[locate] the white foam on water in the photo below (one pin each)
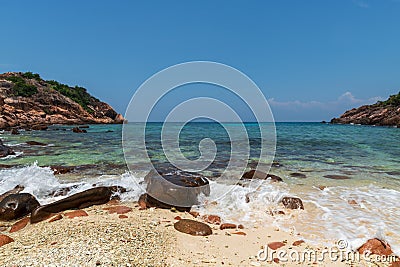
(17, 154)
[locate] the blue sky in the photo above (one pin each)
(312, 59)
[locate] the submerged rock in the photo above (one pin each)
(298, 175)
(376, 246)
(254, 174)
(192, 227)
(292, 203)
(16, 206)
(337, 177)
(34, 143)
(78, 130)
(5, 150)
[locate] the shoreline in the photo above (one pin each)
(147, 238)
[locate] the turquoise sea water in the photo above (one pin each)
(369, 157)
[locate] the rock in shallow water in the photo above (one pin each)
(5, 150)
(192, 227)
(298, 175)
(253, 174)
(292, 203)
(337, 177)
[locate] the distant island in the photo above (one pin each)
(382, 113)
(27, 101)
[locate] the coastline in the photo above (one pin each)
(147, 238)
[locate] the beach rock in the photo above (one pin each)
(61, 169)
(34, 143)
(39, 127)
(15, 190)
(174, 188)
(227, 226)
(4, 240)
(321, 187)
(76, 213)
(298, 242)
(240, 226)
(5, 150)
(292, 203)
(177, 218)
(195, 214)
(16, 206)
(56, 218)
(212, 219)
(14, 131)
(298, 175)
(118, 209)
(192, 227)
(376, 246)
(275, 245)
(123, 216)
(396, 263)
(20, 225)
(239, 233)
(336, 177)
(78, 130)
(85, 199)
(352, 202)
(253, 174)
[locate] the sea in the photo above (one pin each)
(364, 203)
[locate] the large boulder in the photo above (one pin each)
(174, 189)
(16, 206)
(376, 246)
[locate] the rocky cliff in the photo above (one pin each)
(28, 101)
(383, 113)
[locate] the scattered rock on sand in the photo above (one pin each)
(123, 216)
(76, 213)
(227, 226)
(4, 240)
(20, 225)
(376, 246)
(337, 177)
(194, 214)
(118, 209)
(213, 219)
(292, 203)
(16, 206)
(56, 218)
(352, 202)
(239, 233)
(253, 174)
(275, 245)
(298, 242)
(192, 227)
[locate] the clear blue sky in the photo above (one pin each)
(312, 59)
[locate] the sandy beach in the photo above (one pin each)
(145, 238)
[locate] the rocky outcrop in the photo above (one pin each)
(27, 101)
(386, 113)
(5, 150)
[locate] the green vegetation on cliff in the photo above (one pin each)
(394, 100)
(21, 88)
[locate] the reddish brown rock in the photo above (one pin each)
(292, 203)
(20, 225)
(395, 264)
(56, 218)
(178, 218)
(376, 246)
(118, 209)
(239, 233)
(123, 216)
(298, 242)
(253, 174)
(192, 227)
(227, 226)
(194, 214)
(275, 245)
(276, 260)
(352, 202)
(321, 187)
(142, 202)
(76, 213)
(113, 202)
(213, 219)
(4, 240)
(240, 226)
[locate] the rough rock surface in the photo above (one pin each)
(48, 106)
(193, 227)
(386, 113)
